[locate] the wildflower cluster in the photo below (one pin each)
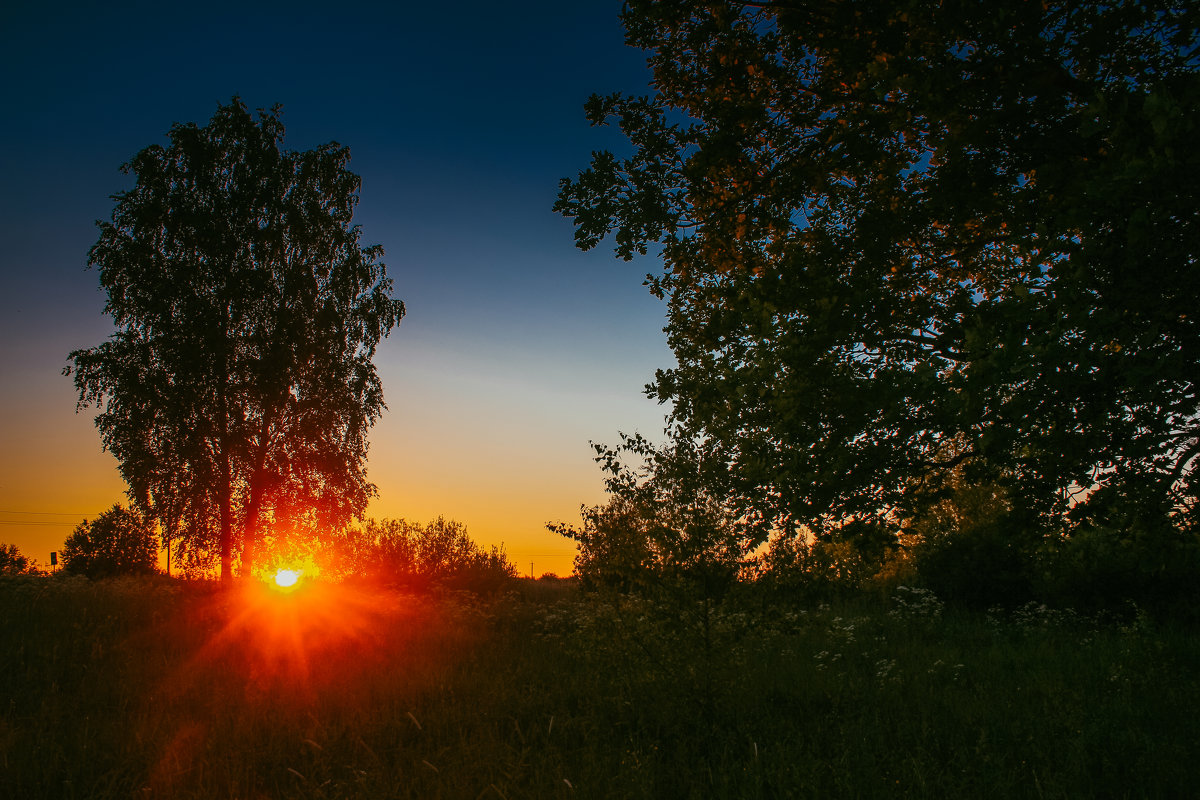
(940, 669)
(914, 603)
(1033, 615)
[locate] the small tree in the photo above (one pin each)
(666, 553)
(118, 542)
(668, 521)
(13, 562)
(615, 544)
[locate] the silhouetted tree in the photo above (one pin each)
(666, 522)
(892, 227)
(665, 553)
(118, 542)
(12, 561)
(239, 386)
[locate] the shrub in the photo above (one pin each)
(645, 542)
(855, 556)
(1098, 569)
(980, 567)
(418, 557)
(13, 562)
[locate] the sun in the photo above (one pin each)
(286, 578)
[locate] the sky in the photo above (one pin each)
(517, 348)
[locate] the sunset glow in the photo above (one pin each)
(504, 363)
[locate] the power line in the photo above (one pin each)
(43, 523)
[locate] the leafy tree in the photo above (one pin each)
(238, 389)
(665, 553)
(903, 238)
(118, 542)
(13, 562)
(616, 544)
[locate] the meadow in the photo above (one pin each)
(157, 688)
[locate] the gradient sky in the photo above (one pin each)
(461, 118)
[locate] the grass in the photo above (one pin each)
(153, 688)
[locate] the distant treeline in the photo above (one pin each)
(393, 552)
(654, 537)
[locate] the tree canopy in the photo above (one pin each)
(907, 241)
(119, 541)
(239, 388)
(665, 521)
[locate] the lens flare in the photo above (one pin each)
(286, 578)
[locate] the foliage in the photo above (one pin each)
(407, 554)
(119, 541)
(1096, 569)
(972, 547)
(615, 544)
(238, 390)
(848, 559)
(981, 567)
(907, 237)
(14, 562)
(665, 522)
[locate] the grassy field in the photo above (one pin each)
(154, 688)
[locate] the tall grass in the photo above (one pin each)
(153, 688)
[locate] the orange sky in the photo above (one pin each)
(466, 437)
(517, 348)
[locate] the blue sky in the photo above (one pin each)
(461, 119)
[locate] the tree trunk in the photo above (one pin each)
(226, 519)
(253, 517)
(250, 529)
(226, 468)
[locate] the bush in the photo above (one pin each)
(1098, 569)
(858, 555)
(118, 542)
(980, 567)
(419, 557)
(669, 522)
(644, 542)
(12, 562)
